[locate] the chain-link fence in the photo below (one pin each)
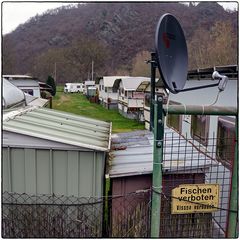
(25, 216)
(129, 215)
(48, 216)
(186, 166)
(200, 176)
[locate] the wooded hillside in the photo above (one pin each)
(117, 37)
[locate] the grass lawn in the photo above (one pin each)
(78, 104)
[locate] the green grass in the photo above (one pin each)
(79, 104)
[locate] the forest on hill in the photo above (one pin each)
(117, 37)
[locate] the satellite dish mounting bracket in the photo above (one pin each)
(196, 88)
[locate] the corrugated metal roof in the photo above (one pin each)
(132, 154)
(59, 126)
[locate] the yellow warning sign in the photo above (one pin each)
(195, 198)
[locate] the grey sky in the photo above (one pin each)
(16, 13)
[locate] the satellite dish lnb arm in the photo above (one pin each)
(222, 82)
(199, 87)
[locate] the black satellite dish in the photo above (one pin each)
(171, 57)
(171, 53)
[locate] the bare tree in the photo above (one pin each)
(218, 46)
(139, 66)
(73, 63)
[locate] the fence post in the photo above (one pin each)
(153, 79)
(157, 167)
(233, 215)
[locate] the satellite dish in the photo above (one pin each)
(172, 57)
(171, 53)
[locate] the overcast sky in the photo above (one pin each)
(15, 13)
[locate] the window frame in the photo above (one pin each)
(180, 118)
(202, 138)
(28, 91)
(229, 123)
(147, 99)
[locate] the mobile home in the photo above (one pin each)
(145, 87)
(215, 135)
(88, 84)
(73, 87)
(26, 83)
(202, 128)
(130, 101)
(13, 97)
(108, 95)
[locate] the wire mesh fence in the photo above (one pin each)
(26, 216)
(189, 168)
(195, 174)
(48, 216)
(130, 215)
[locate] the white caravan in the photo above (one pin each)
(73, 87)
(27, 84)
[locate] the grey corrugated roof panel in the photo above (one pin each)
(132, 158)
(61, 127)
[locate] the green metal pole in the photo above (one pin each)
(157, 167)
(200, 110)
(153, 79)
(233, 214)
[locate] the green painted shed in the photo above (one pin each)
(46, 151)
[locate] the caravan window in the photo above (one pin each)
(147, 99)
(114, 90)
(200, 128)
(226, 140)
(29, 91)
(174, 120)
